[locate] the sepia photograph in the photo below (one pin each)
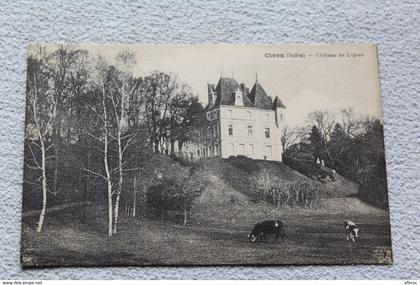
(203, 155)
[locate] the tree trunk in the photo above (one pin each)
(109, 209)
(109, 184)
(84, 199)
(172, 145)
(56, 136)
(87, 178)
(156, 146)
(108, 174)
(134, 196)
(55, 169)
(185, 217)
(120, 180)
(151, 145)
(44, 188)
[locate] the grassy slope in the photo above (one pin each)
(216, 234)
(224, 203)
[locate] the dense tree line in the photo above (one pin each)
(89, 122)
(352, 146)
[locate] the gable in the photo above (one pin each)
(259, 98)
(225, 89)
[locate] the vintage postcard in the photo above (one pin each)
(204, 155)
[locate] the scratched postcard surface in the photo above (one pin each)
(203, 155)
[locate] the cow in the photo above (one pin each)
(262, 229)
(352, 230)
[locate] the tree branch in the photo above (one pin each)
(95, 173)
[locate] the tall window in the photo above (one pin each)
(267, 117)
(249, 115)
(249, 131)
(231, 149)
(215, 131)
(230, 130)
(251, 149)
(269, 151)
(267, 132)
(241, 148)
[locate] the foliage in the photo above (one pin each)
(296, 193)
(352, 147)
(244, 163)
(280, 192)
(176, 193)
(309, 169)
(94, 121)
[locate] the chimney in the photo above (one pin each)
(211, 94)
(245, 90)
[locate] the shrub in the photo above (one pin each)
(182, 160)
(309, 169)
(176, 194)
(285, 193)
(244, 163)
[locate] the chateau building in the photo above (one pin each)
(239, 122)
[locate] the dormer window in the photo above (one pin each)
(238, 98)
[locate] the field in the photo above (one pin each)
(217, 229)
(309, 240)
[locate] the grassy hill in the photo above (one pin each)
(230, 197)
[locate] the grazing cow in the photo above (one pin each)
(262, 229)
(352, 231)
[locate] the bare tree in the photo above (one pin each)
(105, 129)
(288, 137)
(158, 90)
(325, 122)
(41, 116)
(351, 125)
(125, 86)
(61, 64)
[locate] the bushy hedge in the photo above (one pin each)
(176, 194)
(311, 170)
(244, 163)
(282, 193)
(297, 193)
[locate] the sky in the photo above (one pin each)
(305, 77)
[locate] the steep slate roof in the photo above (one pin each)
(225, 92)
(226, 87)
(278, 103)
(259, 98)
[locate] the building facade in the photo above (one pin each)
(239, 121)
